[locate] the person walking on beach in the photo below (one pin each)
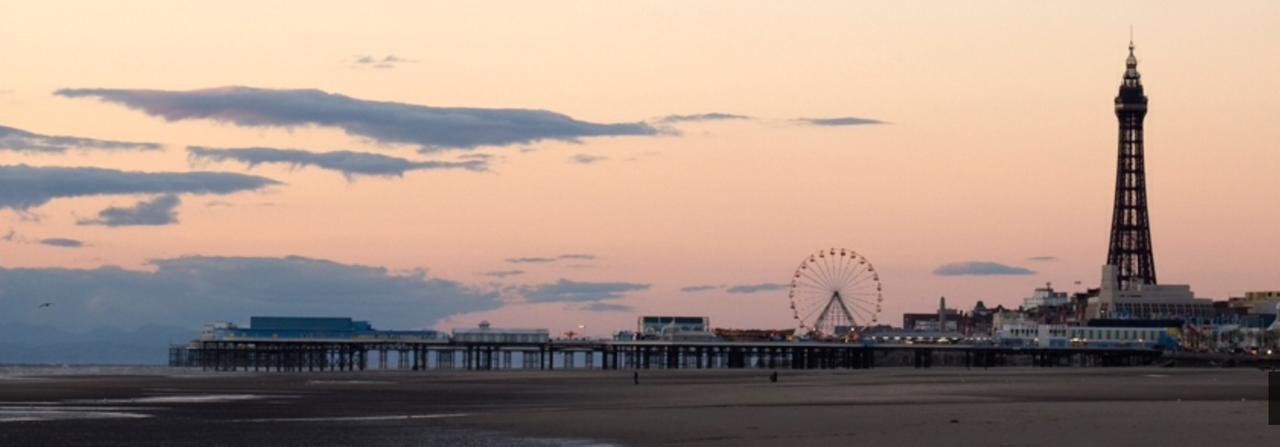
(635, 376)
(773, 377)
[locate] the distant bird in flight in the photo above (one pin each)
(44, 305)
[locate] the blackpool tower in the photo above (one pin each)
(1130, 250)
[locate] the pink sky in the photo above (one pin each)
(998, 143)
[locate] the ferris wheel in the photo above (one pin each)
(834, 292)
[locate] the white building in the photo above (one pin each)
(486, 334)
(1045, 297)
(1146, 301)
(655, 327)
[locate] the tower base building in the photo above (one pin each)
(1146, 301)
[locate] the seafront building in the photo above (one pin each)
(485, 333)
(1045, 297)
(1260, 302)
(1147, 301)
(662, 327)
(309, 328)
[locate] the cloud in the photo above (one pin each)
(484, 157)
(388, 61)
(547, 259)
(579, 256)
(841, 121)
(530, 260)
(979, 268)
(192, 291)
(566, 291)
(18, 140)
(162, 210)
(757, 288)
(586, 159)
(695, 289)
(503, 273)
(675, 119)
(51, 345)
(23, 187)
(430, 128)
(1043, 258)
(350, 164)
(8, 237)
(606, 307)
(62, 242)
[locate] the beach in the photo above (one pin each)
(886, 406)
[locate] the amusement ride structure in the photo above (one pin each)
(835, 292)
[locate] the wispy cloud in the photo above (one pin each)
(566, 291)
(430, 128)
(62, 242)
(697, 117)
(350, 164)
(586, 159)
(161, 210)
(388, 61)
(530, 260)
(757, 288)
(503, 273)
(1043, 258)
(23, 187)
(577, 256)
(695, 289)
(979, 268)
(606, 307)
(840, 121)
(18, 140)
(547, 259)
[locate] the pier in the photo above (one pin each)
(318, 355)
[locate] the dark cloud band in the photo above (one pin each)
(757, 288)
(62, 242)
(430, 128)
(566, 291)
(161, 210)
(980, 268)
(18, 140)
(23, 187)
(841, 121)
(350, 164)
(675, 119)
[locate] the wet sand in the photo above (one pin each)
(1006, 406)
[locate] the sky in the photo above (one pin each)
(565, 164)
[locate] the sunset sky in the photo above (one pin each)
(550, 164)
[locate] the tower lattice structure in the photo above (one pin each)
(1130, 249)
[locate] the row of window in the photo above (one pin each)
(1147, 310)
(1117, 334)
(1093, 334)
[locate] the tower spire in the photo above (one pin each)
(1130, 250)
